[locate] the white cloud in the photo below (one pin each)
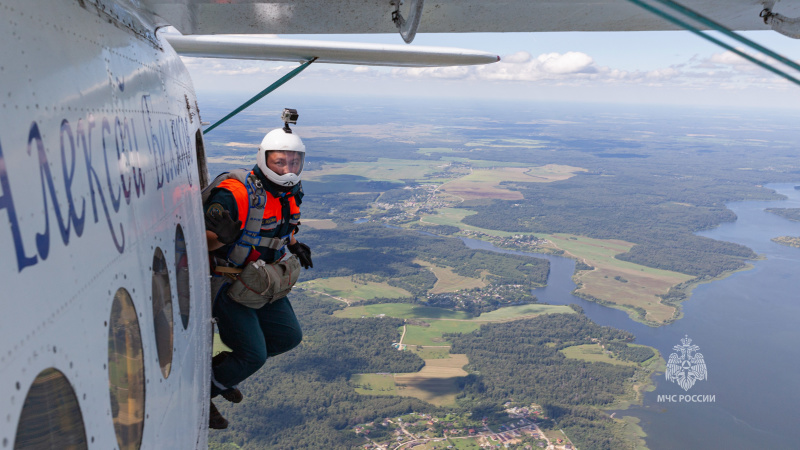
(571, 69)
(723, 70)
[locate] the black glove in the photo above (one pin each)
(223, 225)
(303, 253)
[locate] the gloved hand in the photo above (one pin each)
(223, 225)
(303, 253)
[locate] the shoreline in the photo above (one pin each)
(682, 293)
(631, 429)
(677, 294)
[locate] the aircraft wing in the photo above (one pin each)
(274, 49)
(443, 16)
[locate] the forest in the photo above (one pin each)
(302, 399)
(520, 361)
(648, 181)
(389, 253)
(651, 217)
(786, 213)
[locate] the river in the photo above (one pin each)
(746, 326)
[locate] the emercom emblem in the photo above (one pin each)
(687, 367)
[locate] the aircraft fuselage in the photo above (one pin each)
(105, 295)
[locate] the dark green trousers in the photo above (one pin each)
(253, 335)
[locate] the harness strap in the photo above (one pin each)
(251, 237)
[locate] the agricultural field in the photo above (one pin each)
(374, 384)
(447, 281)
(382, 170)
(430, 352)
(432, 335)
(349, 290)
(594, 353)
(319, 224)
(522, 312)
(506, 143)
(616, 281)
(401, 311)
(620, 282)
(485, 183)
(453, 216)
(436, 383)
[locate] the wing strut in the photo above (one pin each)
(693, 15)
(261, 94)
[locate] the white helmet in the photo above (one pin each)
(278, 140)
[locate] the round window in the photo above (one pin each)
(126, 372)
(162, 312)
(182, 276)
(51, 417)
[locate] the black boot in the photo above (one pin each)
(233, 395)
(215, 419)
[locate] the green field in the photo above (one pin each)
(346, 288)
(506, 143)
(432, 335)
(384, 169)
(453, 216)
(465, 443)
(374, 384)
(401, 311)
(642, 284)
(594, 353)
(522, 312)
(431, 150)
(448, 281)
(602, 251)
(430, 352)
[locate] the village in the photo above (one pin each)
(477, 300)
(425, 431)
(426, 199)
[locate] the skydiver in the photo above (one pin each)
(247, 263)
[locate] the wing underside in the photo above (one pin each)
(443, 16)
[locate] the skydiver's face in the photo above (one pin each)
(284, 162)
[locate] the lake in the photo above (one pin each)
(746, 326)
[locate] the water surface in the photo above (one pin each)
(746, 326)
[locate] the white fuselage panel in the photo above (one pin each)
(98, 168)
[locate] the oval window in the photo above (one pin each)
(51, 417)
(182, 276)
(126, 372)
(162, 311)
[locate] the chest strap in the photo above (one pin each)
(257, 200)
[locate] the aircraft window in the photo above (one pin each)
(202, 167)
(182, 276)
(162, 311)
(51, 417)
(126, 372)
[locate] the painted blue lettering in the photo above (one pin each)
(94, 180)
(72, 215)
(43, 239)
(138, 178)
(166, 167)
(115, 201)
(7, 203)
(119, 135)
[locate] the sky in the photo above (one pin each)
(667, 67)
